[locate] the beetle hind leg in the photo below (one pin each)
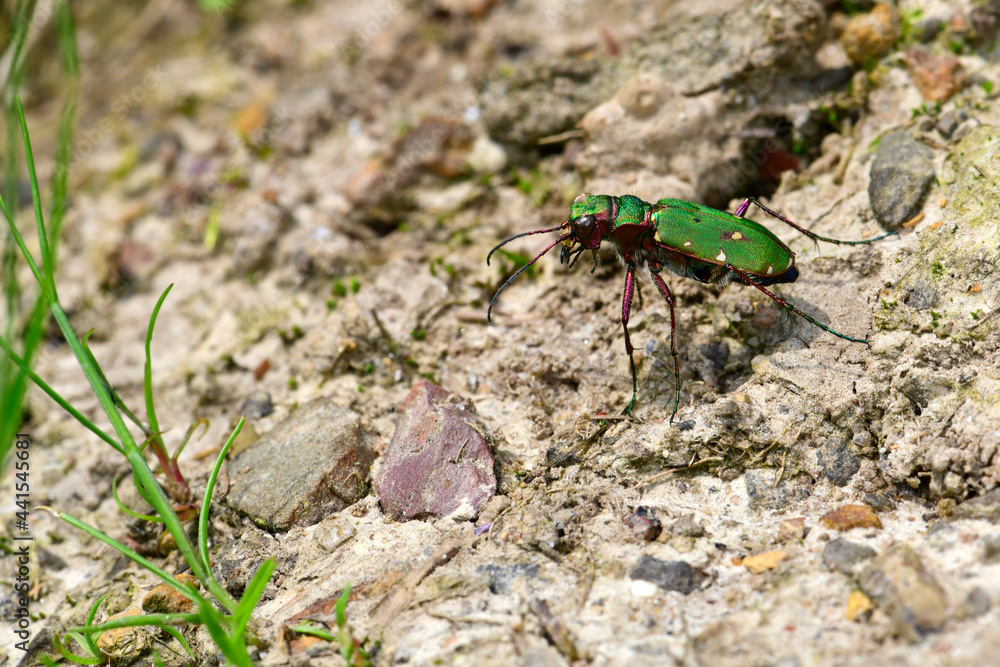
(669, 298)
(626, 309)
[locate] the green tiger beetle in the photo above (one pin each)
(692, 240)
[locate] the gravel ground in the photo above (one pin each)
(322, 182)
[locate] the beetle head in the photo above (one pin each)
(590, 219)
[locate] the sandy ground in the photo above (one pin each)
(321, 183)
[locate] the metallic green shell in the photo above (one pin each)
(720, 238)
(631, 211)
(586, 204)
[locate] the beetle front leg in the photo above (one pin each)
(669, 298)
(626, 308)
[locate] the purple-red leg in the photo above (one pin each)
(741, 211)
(787, 306)
(669, 298)
(626, 309)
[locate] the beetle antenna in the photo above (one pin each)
(489, 311)
(517, 236)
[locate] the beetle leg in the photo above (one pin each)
(626, 308)
(741, 211)
(815, 237)
(669, 298)
(787, 306)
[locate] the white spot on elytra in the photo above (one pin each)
(722, 256)
(790, 260)
(770, 269)
(687, 244)
(737, 236)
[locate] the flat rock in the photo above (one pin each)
(760, 563)
(669, 575)
(986, 507)
(844, 556)
(847, 517)
(312, 464)
(903, 587)
(437, 464)
(901, 174)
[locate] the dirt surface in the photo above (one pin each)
(322, 182)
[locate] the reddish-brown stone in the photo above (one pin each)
(437, 463)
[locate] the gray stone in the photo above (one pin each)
(986, 506)
(902, 586)
(334, 531)
(977, 603)
(900, 176)
(669, 575)
(837, 463)
(312, 464)
(687, 526)
(437, 464)
(843, 556)
(990, 548)
(501, 578)
(763, 495)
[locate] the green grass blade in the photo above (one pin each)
(138, 620)
(143, 475)
(13, 384)
(126, 510)
(173, 632)
(44, 386)
(202, 421)
(24, 249)
(206, 502)
(36, 200)
(234, 651)
(251, 595)
(65, 652)
(154, 424)
(90, 621)
(305, 628)
(128, 553)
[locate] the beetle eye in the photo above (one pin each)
(582, 227)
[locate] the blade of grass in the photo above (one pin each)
(65, 652)
(235, 652)
(13, 384)
(63, 403)
(187, 437)
(206, 502)
(90, 621)
(137, 621)
(143, 475)
(251, 595)
(179, 637)
(181, 588)
(305, 628)
(123, 508)
(173, 474)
